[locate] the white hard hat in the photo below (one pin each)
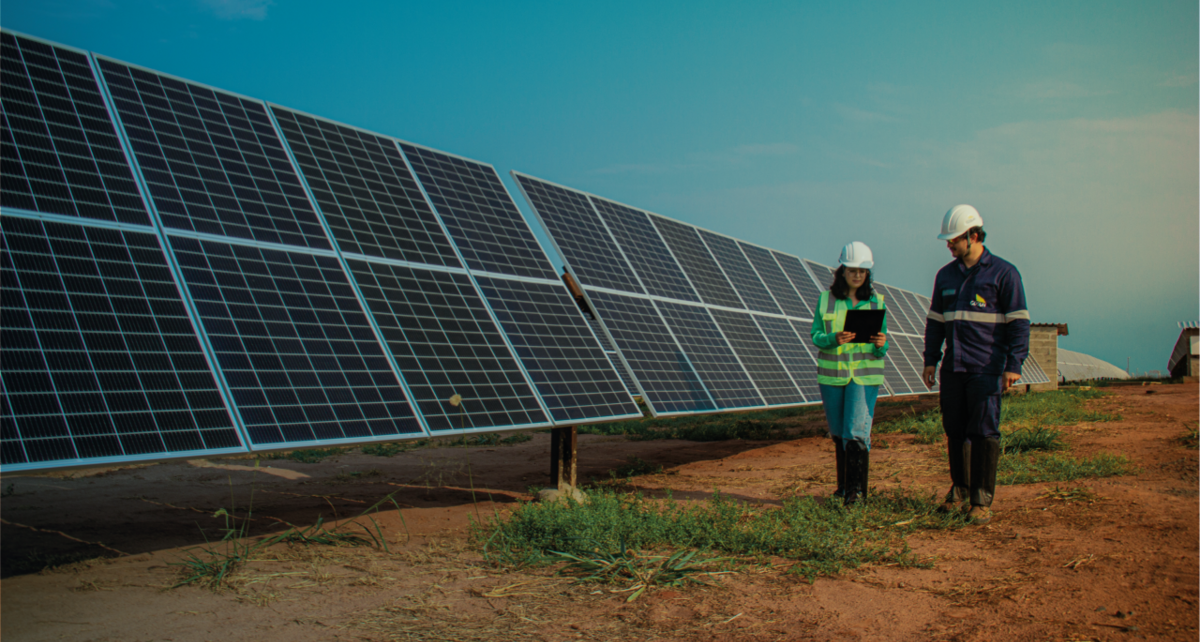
(857, 255)
(958, 220)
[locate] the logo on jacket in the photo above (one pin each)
(979, 302)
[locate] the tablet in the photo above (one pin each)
(864, 324)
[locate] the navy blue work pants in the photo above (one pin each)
(971, 405)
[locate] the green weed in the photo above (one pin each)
(1191, 438)
(635, 466)
(1032, 467)
(819, 538)
(927, 426)
(1030, 439)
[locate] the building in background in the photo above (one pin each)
(1043, 347)
(1077, 366)
(1183, 361)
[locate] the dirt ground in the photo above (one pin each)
(1121, 567)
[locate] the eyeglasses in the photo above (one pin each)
(857, 272)
(956, 239)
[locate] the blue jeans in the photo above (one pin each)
(849, 410)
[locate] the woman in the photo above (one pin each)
(849, 374)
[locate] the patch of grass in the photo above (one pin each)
(307, 455)
(1052, 408)
(1032, 467)
(388, 449)
(635, 466)
(820, 538)
(1190, 438)
(927, 426)
(1031, 439)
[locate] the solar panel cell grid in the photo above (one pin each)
(99, 356)
(745, 280)
(916, 313)
(369, 197)
(553, 342)
(758, 358)
(810, 293)
(59, 151)
(668, 379)
(445, 343)
(897, 312)
(908, 363)
(776, 281)
(697, 263)
(891, 374)
(801, 356)
(579, 232)
(487, 227)
(294, 345)
(710, 354)
(645, 249)
(211, 160)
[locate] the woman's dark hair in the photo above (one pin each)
(841, 289)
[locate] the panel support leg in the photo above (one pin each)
(564, 457)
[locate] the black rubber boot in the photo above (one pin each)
(841, 467)
(985, 457)
(864, 470)
(855, 473)
(959, 453)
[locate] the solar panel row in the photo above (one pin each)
(733, 315)
(285, 280)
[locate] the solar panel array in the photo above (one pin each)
(688, 307)
(187, 271)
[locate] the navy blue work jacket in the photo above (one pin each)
(980, 314)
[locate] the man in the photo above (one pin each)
(978, 309)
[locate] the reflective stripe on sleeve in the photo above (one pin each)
(1019, 314)
(934, 316)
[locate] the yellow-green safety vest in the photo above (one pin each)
(847, 362)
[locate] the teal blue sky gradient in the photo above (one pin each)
(1071, 126)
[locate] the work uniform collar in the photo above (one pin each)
(984, 259)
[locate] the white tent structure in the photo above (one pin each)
(1077, 366)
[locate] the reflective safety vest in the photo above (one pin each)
(847, 362)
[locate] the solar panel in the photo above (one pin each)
(445, 343)
(776, 281)
(1031, 372)
(365, 190)
(644, 247)
(553, 342)
(822, 274)
(211, 160)
(587, 247)
(698, 264)
(810, 292)
(298, 352)
(613, 357)
(898, 318)
(758, 358)
(916, 312)
(59, 149)
(486, 225)
(799, 355)
(666, 376)
(908, 362)
(916, 355)
(741, 274)
(710, 354)
(100, 359)
(892, 375)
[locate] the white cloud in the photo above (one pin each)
(238, 9)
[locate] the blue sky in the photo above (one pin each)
(1071, 126)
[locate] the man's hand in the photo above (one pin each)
(879, 340)
(845, 337)
(927, 375)
(1009, 379)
